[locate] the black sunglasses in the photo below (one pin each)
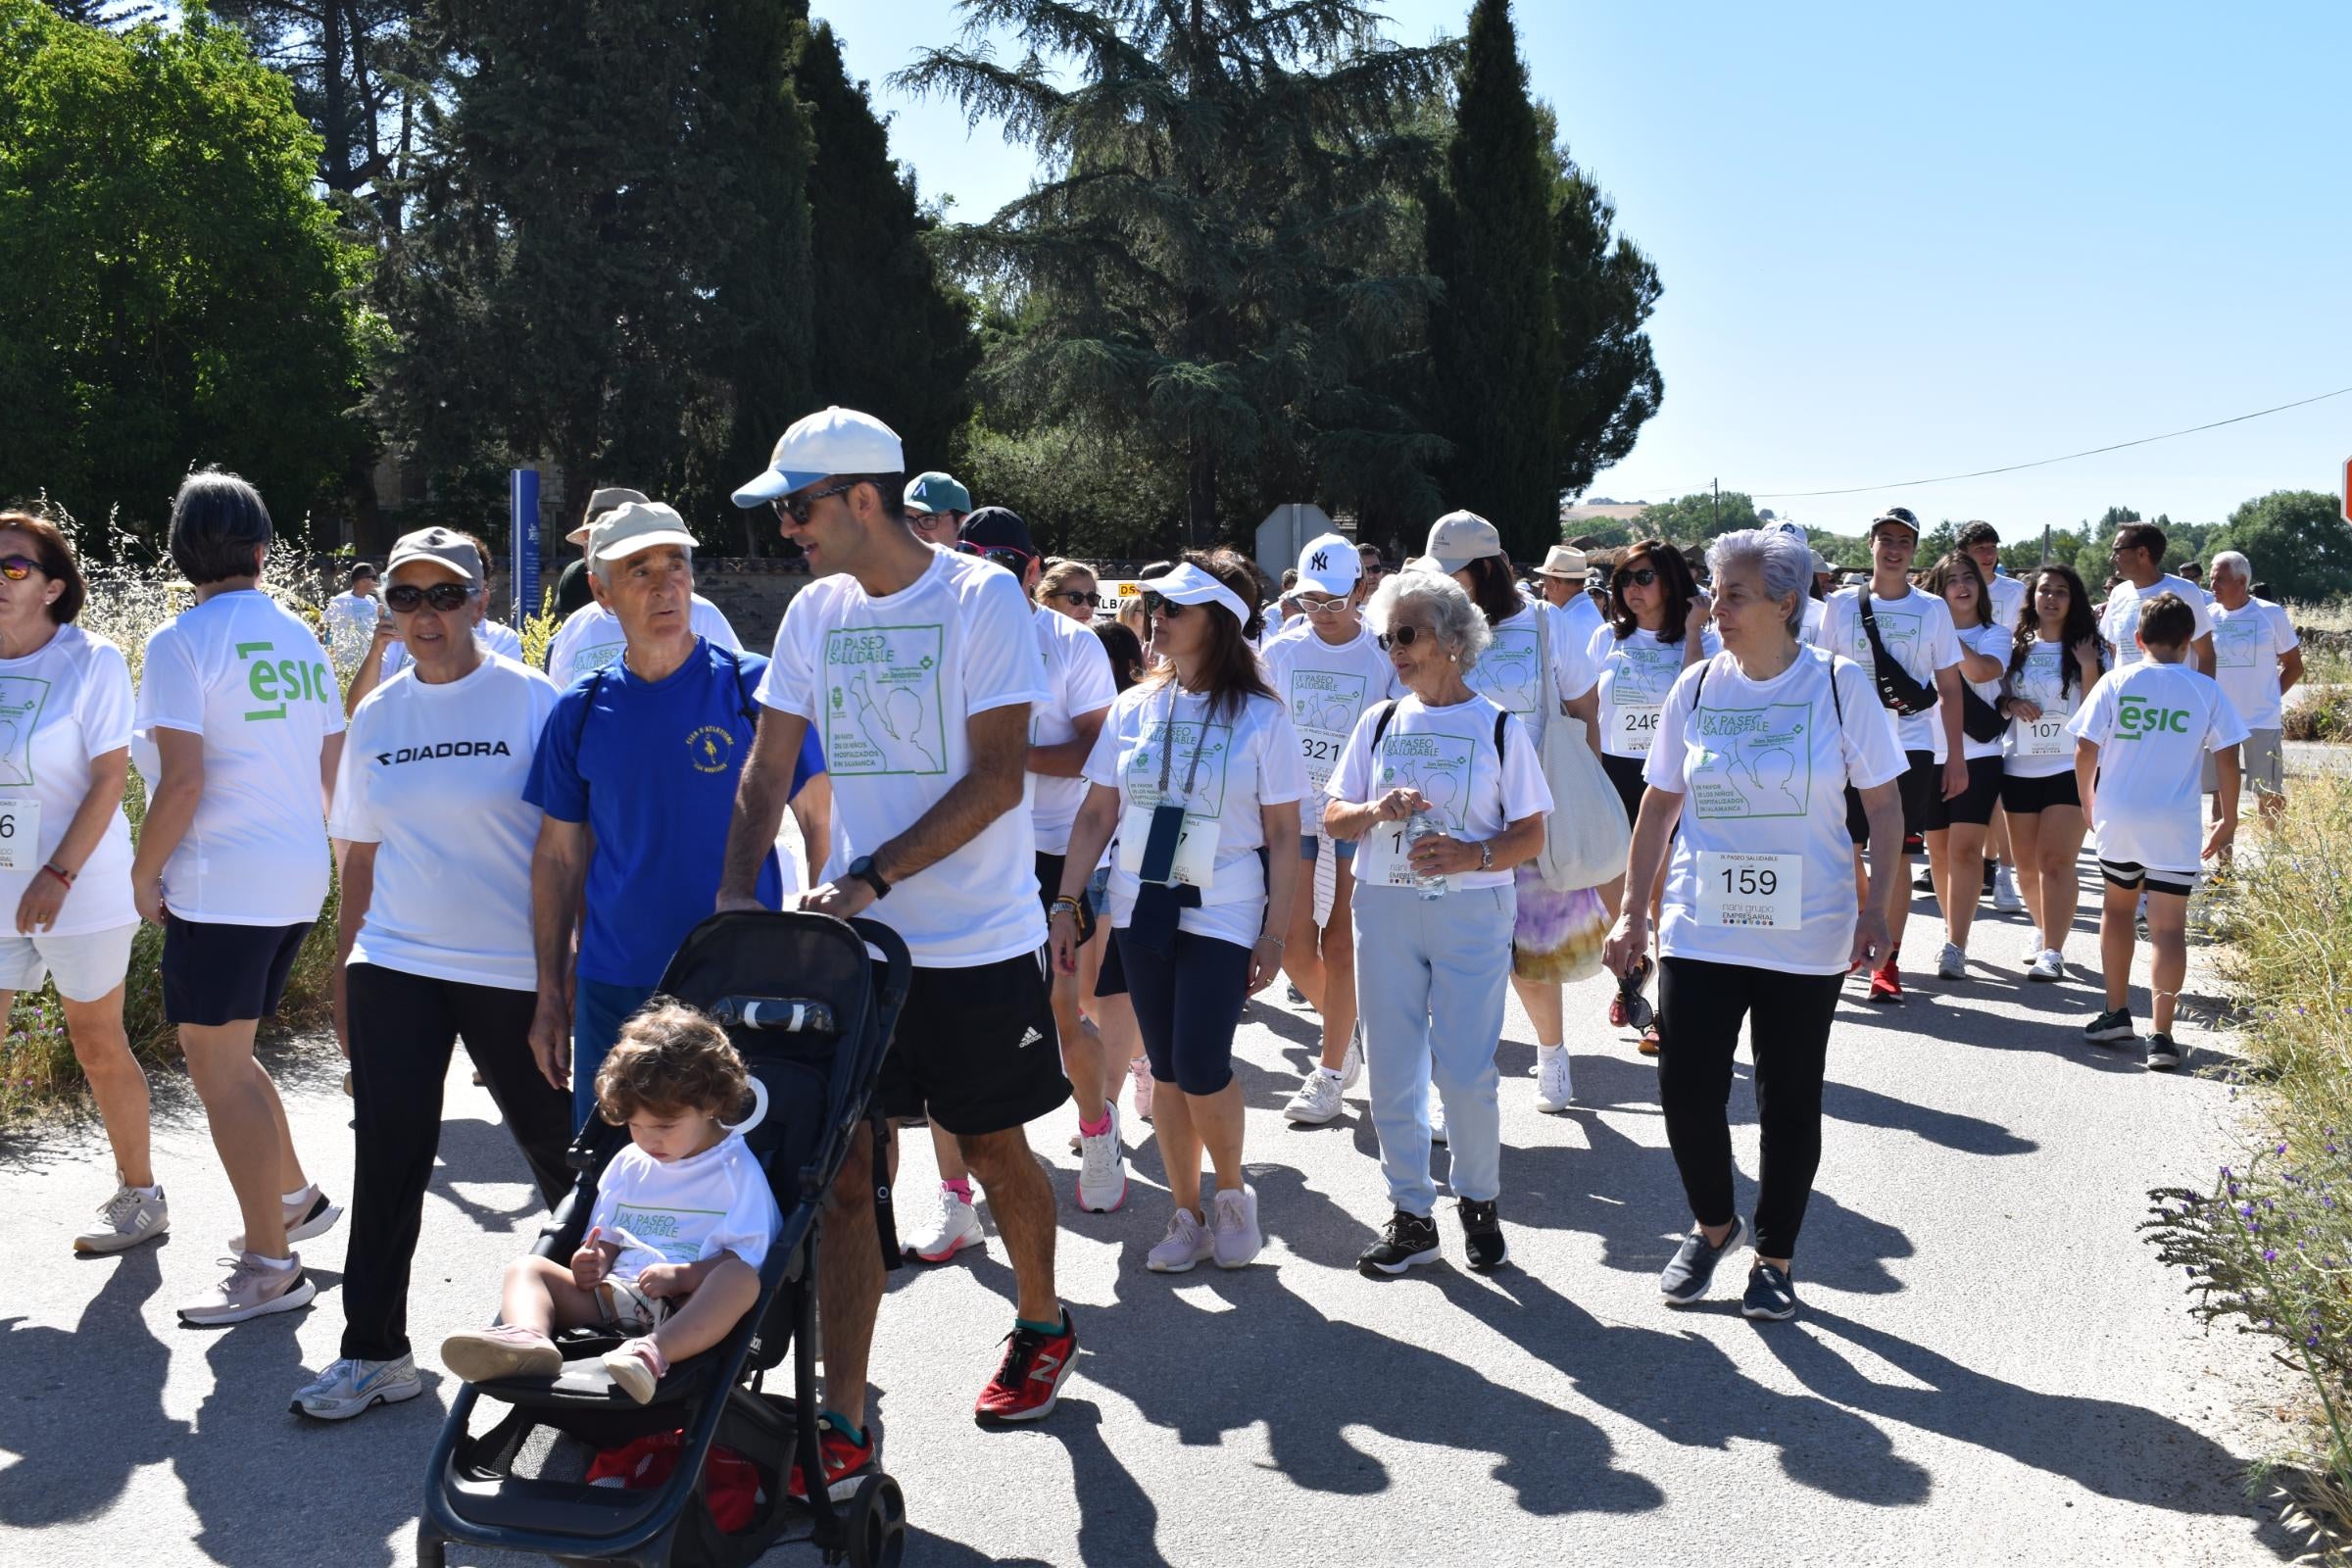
(407, 596)
(1156, 605)
(1075, 597)
(1402, 637)
(798, 508)
(1641, 576)
(16, 569)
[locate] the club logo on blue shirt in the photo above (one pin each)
(712, 749)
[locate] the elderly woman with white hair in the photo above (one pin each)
(1755, 749)
(1445, 793)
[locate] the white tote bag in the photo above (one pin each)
(1586, 839)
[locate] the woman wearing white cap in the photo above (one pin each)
(1196, 771)
(436, 940)
(1445, 793)
(1327, 669)
(1539, 663)
(1657, 629)
(1755, 750)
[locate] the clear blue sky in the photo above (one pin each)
(1903, 241)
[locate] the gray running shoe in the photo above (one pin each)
(352, 1387)
(1771, 1296)
(252, 1289)
(1692, 1265)
(126, 1220)
(313, 1216)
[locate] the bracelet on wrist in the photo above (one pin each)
(60, 872)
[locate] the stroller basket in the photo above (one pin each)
(809, 1002)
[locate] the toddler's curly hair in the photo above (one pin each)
(670, 1058)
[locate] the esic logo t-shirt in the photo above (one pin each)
(2153, 725)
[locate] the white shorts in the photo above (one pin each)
(86, 966)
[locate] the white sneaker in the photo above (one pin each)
(1139, 1071)
(1952, 963)
(307, 1216)
(1186, 1244)
(126, 1219)
(1437, 1118)
(958, 1226)
(1351, 1065)
(1102, 1175)
(2047, 965)
(1555, 1085)
(352, 1387)
(1236, 1239)
(252, 1289)
(2005, 897)
(1317, 1100)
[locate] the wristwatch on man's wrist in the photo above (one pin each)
(865, 872)
(1486, 854)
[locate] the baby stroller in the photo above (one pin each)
(812, 1012)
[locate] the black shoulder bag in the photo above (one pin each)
(1897, 689)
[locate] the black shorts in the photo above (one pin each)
(975, 1049)
(216, 974)
(1626, 773)
(2025, 796)
(1974, 805)
(2131, 876)
(1920, 784)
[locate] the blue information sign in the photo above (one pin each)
(522, 509)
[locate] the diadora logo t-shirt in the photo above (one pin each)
(250, 677)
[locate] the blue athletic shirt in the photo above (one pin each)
(652, 768)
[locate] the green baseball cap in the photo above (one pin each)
(937, 492)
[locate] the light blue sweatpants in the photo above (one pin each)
(1431, 975)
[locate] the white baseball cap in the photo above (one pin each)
(636, 525)
(1457, 539)
(836, 441)
(1329, 565)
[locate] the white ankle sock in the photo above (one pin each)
(302, 1195)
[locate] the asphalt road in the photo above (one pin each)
(1989, 1367)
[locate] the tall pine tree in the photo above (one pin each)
(892, 337)
(1603, 289)
(1205, 272)
(1494, 338)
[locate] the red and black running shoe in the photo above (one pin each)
(1028, 1382)
(847, 1461)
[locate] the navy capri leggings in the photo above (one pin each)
(1188, 1002)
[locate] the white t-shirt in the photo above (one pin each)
(350, 621)
(891, 684)
(1637, 672)
(2119, 622)
(1326, 687)
(2247, 645)
(2044, 747)
(1507, 674)
(2153, 725)
(1994, 644)
(251, 678)
(433, 777)
(1763, 768)
(2008, 602)
(688, 1209)
(1246, 761)
(1078, 680)
(61, 708)
(1917, 631)
(590, 638)
(495, 637)
(1815, 612)
(1447, 753)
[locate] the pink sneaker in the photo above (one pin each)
(636, 1367)
(1139, 1072)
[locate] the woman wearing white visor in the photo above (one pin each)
(1196, 771)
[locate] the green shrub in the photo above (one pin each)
(2268, 1249)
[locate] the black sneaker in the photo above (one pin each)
(1406, 1239)
(1925, 882)
(1771, 1296)
(1990, 866)
(2109, 1027)
(1482, 1237)
(1692, 1265)
(2163, 1055)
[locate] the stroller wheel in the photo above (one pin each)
(875, 1524)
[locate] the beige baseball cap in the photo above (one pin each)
(1457, 539)
(634, 526)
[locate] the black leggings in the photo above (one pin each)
(1700, 1006)
(1188, 1002)
(403, 1027)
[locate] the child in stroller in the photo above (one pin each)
(682, 1221)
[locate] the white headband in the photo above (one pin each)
(1188, 584)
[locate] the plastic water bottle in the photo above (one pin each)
(1416, 828)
